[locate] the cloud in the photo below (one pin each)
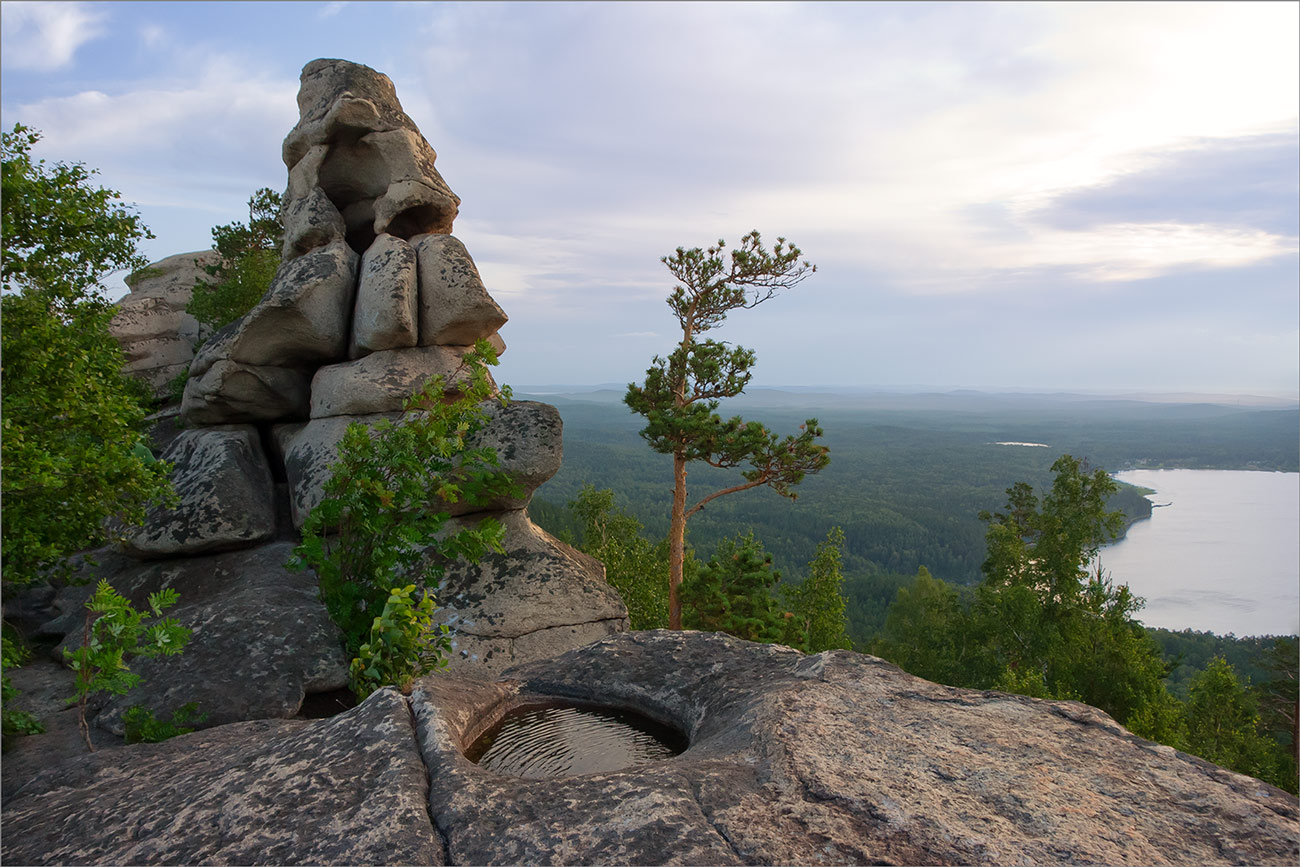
(954, 148)
(45, 36)
(1246, 182)
(329, 10)
(177, 139)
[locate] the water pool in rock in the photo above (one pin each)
(536, 741)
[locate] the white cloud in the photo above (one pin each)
(152, 35)
(45, 36)
(868, 133)
(329, 10)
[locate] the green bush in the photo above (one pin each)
(71, 419)
(404, 644)
(381, 522)
(142, 727)
(109, 640)
(250, 255)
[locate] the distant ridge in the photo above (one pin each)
(920, 397)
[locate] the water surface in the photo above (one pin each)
(1223, 556)
(539, 741)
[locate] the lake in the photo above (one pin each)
(1223, 556)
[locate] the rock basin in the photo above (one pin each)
(547, 738)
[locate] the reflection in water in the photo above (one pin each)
(549, 741)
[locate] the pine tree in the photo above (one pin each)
(682, 392)
(817, 604)
(732, 593)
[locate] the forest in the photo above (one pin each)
(909, 474)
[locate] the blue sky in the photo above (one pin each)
(1042, 196)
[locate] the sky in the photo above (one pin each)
(1049, 197)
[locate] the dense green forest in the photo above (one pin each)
(909, 474)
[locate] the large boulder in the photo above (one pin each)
(455, 307)
(225, 492)
(258, 368)
(528, 437)
(262, 640)
(228, 392)
(539, 598)
(306, 314)
(347, 790)
(387, 310)
(157, 335)
(383, 381)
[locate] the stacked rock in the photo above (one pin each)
(373, 297)
(156, 334)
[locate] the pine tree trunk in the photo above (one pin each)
(677, 542)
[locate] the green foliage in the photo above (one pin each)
(927, 631)
(142, 727)
(120, 632)
(682, 392)
(404, 644)
(176, 386)
(1222, 725)
(15, 722)
(634, 566)
(1042, 619)
(1040, 623)
(250, 255)
(817, 604)
(381, 523)
(1188, 652)
(1279, 701)
(904, 494)
(732, 593)
(71, 420)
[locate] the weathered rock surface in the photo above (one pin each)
(383, 381)
(226, 492)
(259, 367)
(387, 310)
(228, 392)
(355, 145)
(540, 598)
(347, 790)
(305, 316)
(156, 334)
(528, 437)
(455, 307)
(261, 639)
(837, 758)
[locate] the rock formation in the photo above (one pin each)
(372, 298)
(838, 758)
(156, 334)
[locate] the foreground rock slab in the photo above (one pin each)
(838, 758)
(348, 790)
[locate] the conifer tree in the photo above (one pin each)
(732, 593)
(682, 392)
(817, 604)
